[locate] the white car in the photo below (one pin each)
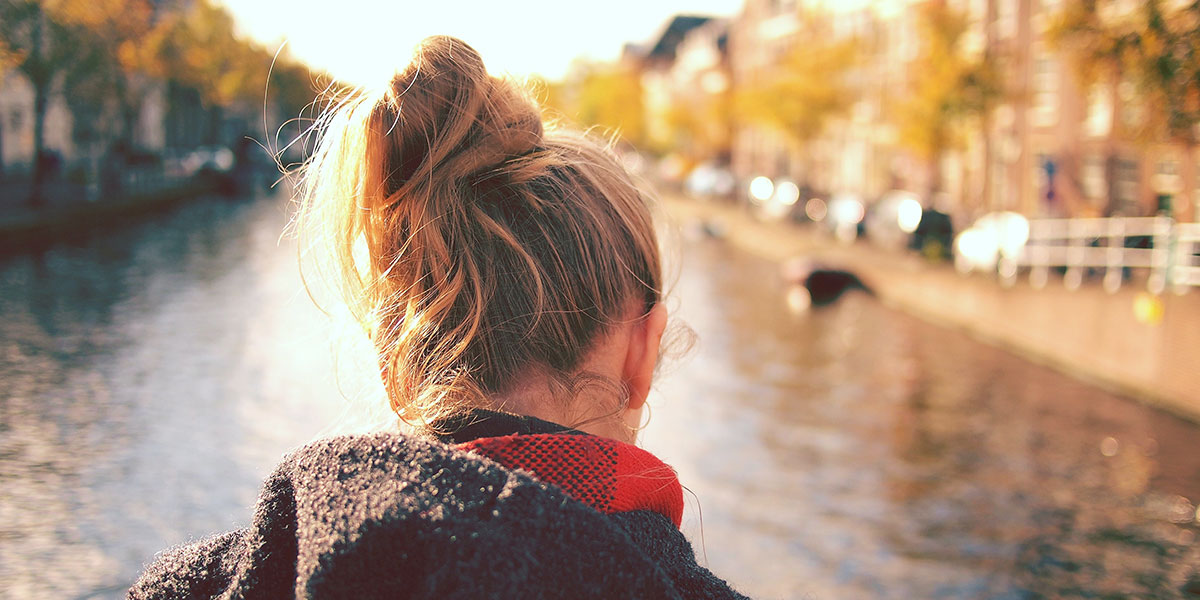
(894, 218)
(844, 214)
(994, 237)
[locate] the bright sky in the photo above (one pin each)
(365, 41)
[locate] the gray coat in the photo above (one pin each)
(395, 516)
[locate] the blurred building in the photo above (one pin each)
(1056, 148)
(1076, 141)
(854, 154)
(684, 79)
(1046, 148)
(759, 38)
(17, 122)
(107, 111)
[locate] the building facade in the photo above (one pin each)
(17, 124)
(1049, 146)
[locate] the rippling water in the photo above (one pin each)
(154, 374)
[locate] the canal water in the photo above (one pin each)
(151, 376)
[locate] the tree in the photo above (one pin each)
(105, 57)
(201, 48)
(1166, 64)
(8, 59)
(809, 89)
(1154, 45)
(950, 90)
(114, 59)
(88, 90)
(44, 50)
(1097, 46)
(609, 96)
(701, 126)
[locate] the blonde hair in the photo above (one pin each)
(473, 243)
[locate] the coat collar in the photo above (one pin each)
(608, 475)
(479, 423)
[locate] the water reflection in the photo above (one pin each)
(149, 388)
(872, 454)
(155, 374)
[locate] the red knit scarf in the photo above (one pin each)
(608, 475)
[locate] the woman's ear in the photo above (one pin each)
(642, 354)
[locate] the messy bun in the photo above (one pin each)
(473, 243)
(443, 119)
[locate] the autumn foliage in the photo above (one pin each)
(105, 56)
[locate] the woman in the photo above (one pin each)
(509, 278)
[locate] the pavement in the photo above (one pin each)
(1130, 342)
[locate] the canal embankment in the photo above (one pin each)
(21, 225)
(1087, 333)
(69, 208)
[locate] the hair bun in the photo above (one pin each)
(453, 119)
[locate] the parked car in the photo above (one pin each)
(933, 236)
(206, 158)
(845, 216)
(891, 220)
(710, 181)
(992, 237)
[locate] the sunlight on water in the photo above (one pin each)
(154, 379)
(853, 451)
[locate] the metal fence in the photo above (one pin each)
(1112, 247)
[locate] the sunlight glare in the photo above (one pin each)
(364, 42)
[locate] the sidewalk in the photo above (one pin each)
(1087, 333)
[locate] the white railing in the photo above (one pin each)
(1185, 269)
(1165, 249)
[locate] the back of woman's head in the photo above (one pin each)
(474, 244)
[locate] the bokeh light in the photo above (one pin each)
(787, 193)
(761, 188)
(908, 214)
(815, 209)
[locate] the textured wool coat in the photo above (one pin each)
(502, 507)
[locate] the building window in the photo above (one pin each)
(1168, 184)
(1046, 81)
(1131, 105)
(906, 41)
(1126, 187)
(1092, 178)
(999, 178)
(1195, 187)
(1006, 18)
(1098, 122)
(1195, 174)
(1167, 181)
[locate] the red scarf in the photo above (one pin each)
(608, 475)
